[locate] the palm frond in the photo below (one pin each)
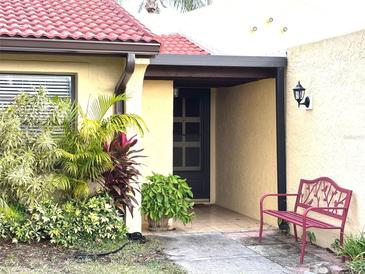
(189, 5)
(102, 105)
(140, 7)
(61, 182)
(122, 122)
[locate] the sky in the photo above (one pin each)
(226, 26)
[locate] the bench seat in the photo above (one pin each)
(297, 219)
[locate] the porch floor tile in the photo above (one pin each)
(212, 218)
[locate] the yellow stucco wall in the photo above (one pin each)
(330, 139)
(157, 111)
(246, 147)
(94, 74)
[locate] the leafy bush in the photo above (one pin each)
(121, 180)
(354, 249)
(28, 149)
(66, 224)
(83, 159)
(167, 196)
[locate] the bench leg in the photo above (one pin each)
(295, 233)
(304, 243)
(341, 243)
(261, 225)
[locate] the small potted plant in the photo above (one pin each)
(165, 197)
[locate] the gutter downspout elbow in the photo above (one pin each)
(123, 81)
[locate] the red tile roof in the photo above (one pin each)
(178, 44)
(102, 20)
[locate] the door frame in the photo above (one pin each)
(206, 142)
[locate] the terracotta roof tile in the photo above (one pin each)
(178, 44)
(70, 19)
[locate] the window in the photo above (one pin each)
(13, 84)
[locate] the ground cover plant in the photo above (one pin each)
(67, 224)
(354, 250)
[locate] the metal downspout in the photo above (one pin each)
(123, 81)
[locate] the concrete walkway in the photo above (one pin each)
(239, 252)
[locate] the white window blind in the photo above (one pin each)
(13, 84)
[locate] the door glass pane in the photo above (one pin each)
(177, 132)
(192, 131)
(177, 107)
(192, 107)
(192, 156)
(177, 156)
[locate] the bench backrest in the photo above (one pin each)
(324, 192)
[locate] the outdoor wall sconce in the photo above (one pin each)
(299, 93)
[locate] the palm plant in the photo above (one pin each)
(83, 158)
(152, 6)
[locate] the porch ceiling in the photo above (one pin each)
(213, 71)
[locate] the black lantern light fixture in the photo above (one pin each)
(299, 93)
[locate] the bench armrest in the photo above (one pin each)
(275, 195)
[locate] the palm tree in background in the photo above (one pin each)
(153, 6)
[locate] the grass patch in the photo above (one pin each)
(45, 258)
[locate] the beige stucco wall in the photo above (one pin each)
(94, 74)
(153, 100)
(246, 147)
(330, 139)
(157, 111)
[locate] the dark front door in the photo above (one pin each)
(192, 139)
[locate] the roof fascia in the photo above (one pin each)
(219, 61)
(16, 44)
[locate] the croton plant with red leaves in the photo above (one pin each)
(121, 181)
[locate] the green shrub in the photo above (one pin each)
(354, 249)
(28, 149)
(167, 196)
(67, 224)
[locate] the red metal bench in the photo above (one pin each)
(321, 195)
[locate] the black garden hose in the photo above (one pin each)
(136, 236)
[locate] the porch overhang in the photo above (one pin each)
(225, 71)
(213, 70)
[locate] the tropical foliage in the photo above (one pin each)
(83, 158)
(28, 149)
(65, 224)
(121, 180)
(51, 153)
(167, 196)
